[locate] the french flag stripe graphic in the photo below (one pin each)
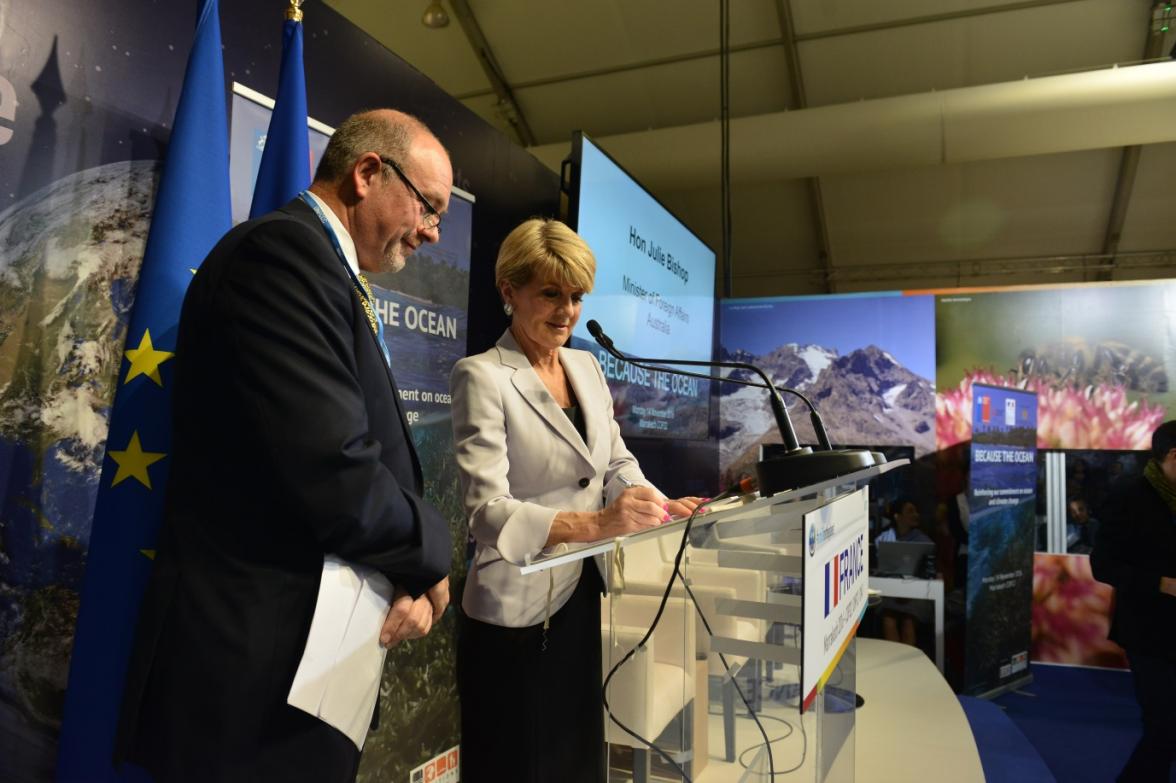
(836, 581)
(826, 589)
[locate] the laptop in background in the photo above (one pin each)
(902, 558)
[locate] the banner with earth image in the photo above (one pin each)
(79, 165)
(85, 107)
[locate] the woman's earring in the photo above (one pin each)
(508, 308)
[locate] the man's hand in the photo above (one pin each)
(438, 596)
(1168, 585)
(407, 618)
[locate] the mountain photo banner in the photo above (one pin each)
(866, 361)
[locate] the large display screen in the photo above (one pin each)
(654, 296)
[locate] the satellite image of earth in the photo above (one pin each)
(71, 257)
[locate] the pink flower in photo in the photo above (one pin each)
(1068, 417)
(1071, 614)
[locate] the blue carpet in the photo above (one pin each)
(1083, 722)
(1005, 753)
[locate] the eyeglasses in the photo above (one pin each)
(432, 217)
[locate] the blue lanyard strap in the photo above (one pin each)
(358, 281)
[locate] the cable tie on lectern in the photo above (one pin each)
(616, 572)
(547, 611)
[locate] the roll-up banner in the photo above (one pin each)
(1002, 502)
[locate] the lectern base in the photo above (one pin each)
(789, 471)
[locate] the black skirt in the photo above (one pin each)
(530, 711)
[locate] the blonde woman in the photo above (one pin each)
(542, 463)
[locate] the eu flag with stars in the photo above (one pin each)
(191, 213)
(285, 161)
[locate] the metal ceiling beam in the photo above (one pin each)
(592, 73)
(910, 21)
(506, 100)
(1163, 261)
(797, 100)
(766, 43)
(1153, 47)
(1124, 184)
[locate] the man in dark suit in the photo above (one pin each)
(290, 445)
(1135, 552)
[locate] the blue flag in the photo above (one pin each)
(285, 161)
(191, 213)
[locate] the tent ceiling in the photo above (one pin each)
(614, 67)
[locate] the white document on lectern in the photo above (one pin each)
(338, 678)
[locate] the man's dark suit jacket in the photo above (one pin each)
(1135, 546)
(289, 443)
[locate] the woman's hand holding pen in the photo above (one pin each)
(634, 509)
(682, 507)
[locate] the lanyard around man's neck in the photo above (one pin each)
(366, 298)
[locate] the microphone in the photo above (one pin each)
(598, 334)
(798, 466)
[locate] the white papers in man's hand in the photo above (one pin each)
(338, 678)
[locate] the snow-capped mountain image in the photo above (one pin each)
(864, 397)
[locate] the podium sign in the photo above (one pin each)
(836, 568)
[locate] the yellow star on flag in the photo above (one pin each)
(145, 360)
(133, 462)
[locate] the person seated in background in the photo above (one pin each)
(900, 615)
(1081, 527)
(905, 514)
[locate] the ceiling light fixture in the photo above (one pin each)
(435, 15)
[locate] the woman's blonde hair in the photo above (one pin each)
(547, 250)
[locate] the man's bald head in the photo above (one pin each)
(384, 131)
